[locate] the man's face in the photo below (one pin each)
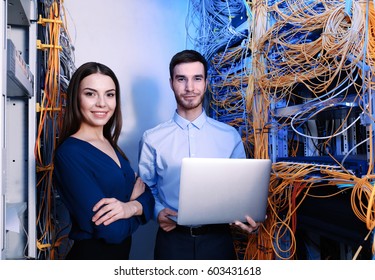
(189, 85)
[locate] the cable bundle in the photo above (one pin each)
(297, 83)
(57, 64)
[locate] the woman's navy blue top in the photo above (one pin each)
(84, 175)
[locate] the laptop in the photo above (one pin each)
(222, 190)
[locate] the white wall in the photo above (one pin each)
(137, 39)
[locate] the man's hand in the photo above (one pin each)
(166, 223)
(251, 227)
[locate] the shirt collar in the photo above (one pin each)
(183, 123)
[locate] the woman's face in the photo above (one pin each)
(97, 95)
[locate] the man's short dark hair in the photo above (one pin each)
(187, 56)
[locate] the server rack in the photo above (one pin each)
(308, 120)
(18, 127)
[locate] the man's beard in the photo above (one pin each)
(188, 105)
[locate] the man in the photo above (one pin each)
(190, 133)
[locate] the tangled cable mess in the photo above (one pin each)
(295, 78)
(57, 67)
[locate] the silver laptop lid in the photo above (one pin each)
(221, 190)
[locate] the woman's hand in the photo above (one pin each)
(109, 210)
(139, 188)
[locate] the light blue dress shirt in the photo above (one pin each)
(163, 147)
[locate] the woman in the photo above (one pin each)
(105, 199)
